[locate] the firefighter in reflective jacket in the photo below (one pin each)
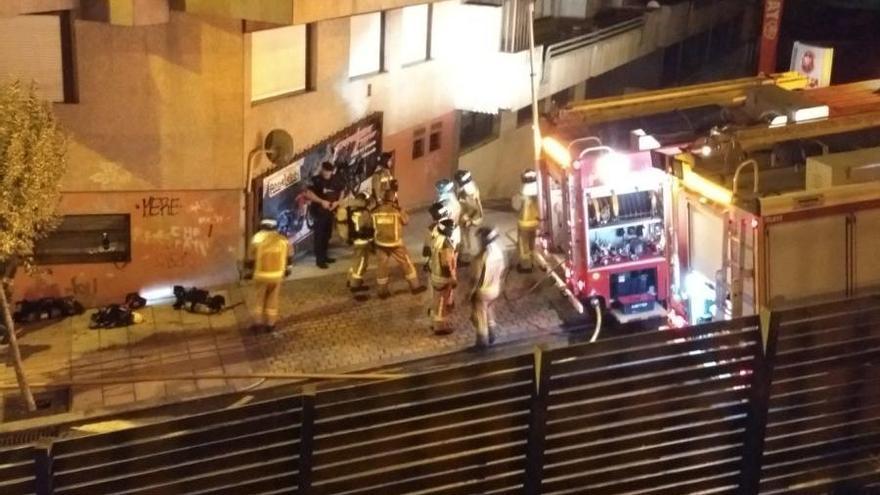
(388, 222)
(361, 235)
(382, 178)
(488, 275)
(527, 224)
(438, 212)
(442, 265)
(270, 262)
(471, 211)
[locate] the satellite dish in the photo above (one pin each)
(279, 147)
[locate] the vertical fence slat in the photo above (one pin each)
(537, 424)
(43, 469)
(307, 439)
(759, 404)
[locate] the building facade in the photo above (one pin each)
(167, 104)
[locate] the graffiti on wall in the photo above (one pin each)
(159, 206)
(178, 235)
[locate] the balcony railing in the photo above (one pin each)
(561, 48)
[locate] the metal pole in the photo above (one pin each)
(536, 126)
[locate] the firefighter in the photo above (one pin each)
(388, 222)
(488, 275)
(383, 176)
(471, 211)
(270, 261)
(442, 266)
(361, 236)
(527, 224)
(446, 194)
(439, 212)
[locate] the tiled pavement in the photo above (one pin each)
(322, 330)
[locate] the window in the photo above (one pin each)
(415, 34)
(562, 98)
(39, 48)
(366, 51)
(87, 239)
(435, 140)
(524, 116)
(477, 128)
(279, 61)
(418, 149)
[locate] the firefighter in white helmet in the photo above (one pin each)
(444, 280)
(471, 211)
(446, 194)
(388, 221)
(270, 262)
(361, 235)
(527, 223)
(488, 275)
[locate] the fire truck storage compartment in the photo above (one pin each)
(807, 259)
(633, 233)
(635, 291)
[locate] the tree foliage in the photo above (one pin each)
(32, 162)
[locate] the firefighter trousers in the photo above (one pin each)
(442, 294)
(271, 294)
(483, 318)
(526, 247)
(384, 255)
(360, 262)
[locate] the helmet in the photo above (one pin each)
(529, 176)
(385, 160)
(446, 227)
(462, 177)
(362, 196)
(443, 186)
(268, 224)
(438, 211)
(487, 235)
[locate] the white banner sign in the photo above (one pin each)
(279, 181)
(814, 62)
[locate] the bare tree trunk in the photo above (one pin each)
(13, 346)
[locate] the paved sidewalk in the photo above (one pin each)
(322, 329)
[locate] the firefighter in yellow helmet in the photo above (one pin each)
(388, 221)
(361, 236)
(527, 224)
(270, 259)
(444, 280)
(471, 211)
(488, 275)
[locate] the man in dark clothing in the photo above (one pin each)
(324, 192)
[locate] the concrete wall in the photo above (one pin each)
(194, 243)
(496, 166)
(159, 106)
(409, 96)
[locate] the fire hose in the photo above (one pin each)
(550, 272)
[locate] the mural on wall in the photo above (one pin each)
(281, 191)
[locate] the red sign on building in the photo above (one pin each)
(770, 35)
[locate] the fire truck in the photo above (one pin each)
(750, 209)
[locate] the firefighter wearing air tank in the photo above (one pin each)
(361, 236)
(383, 177)
(388, 221)
(442, 266)
(270, 262)
(471, 211)
(488, 276)
(527, 224)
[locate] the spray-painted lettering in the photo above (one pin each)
(160, 206)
